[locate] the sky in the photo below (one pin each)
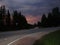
(31, 9)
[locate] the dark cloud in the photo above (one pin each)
(1, 0)
(31, 7)
(35, 7)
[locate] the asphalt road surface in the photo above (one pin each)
(7, 38)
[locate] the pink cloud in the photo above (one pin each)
(33, 19)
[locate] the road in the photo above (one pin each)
(6, 38)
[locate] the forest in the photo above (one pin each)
(17, 21)
(51, 20)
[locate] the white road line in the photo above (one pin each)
(21, 38)
(24, 37)
(17, 39)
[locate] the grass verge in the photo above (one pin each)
(52, 38)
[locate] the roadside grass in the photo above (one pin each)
(52, 38)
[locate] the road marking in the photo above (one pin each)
(21, 38)
(26, 36)
(17, 39)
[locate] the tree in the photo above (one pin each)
(43, 20)
(55, 11)
(22, 20)
(15, 17)
(8, 19)
(3, 11)
(0, 16)
(49, 20)
(56, 16)
(39, 24)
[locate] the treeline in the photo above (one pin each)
(15, 21)
(51, 20)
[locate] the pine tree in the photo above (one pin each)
(39, 24)
(49, 20)
(0, 16)
(3, 15)
(8, 19)
(22, 20)
(15, 17)
(56, 16)
(43, 20)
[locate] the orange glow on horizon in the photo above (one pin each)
(33, 19)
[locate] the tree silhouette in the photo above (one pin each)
(56, 16)
(8, 19)
(53, 18)
(49, 20)
(3, 15)
(39, 24)
(19, 21)
(55, 11)
(22, 20)
(15, 17)
(0, 16)
(43, 20)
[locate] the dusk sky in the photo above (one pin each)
(32, 9)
